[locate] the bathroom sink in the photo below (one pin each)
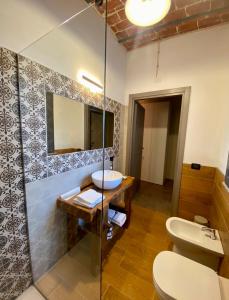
(112, 179)
(186, 232)
(192, 241)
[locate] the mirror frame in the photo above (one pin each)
(34, 81)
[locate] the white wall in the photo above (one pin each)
(68, 123)
(80, 46)
(200, 60)
(154, 141)
(77, 45)
(23, 22)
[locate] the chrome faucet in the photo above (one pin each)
(211, 233)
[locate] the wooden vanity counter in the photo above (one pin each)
(118, 198)
(88, 214)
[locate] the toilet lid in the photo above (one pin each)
(181, 278)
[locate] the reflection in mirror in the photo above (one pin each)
(94, 120)
(73, 126)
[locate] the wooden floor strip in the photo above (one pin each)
(128, 268)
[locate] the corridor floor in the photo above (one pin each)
(154, 196)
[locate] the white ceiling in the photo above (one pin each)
(24, 21)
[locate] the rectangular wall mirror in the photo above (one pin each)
(73, 126)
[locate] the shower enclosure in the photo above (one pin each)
(63, 111)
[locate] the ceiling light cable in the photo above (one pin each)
(158, 57)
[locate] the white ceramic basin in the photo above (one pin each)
(112, 179)
(185, 232)
(191, 241)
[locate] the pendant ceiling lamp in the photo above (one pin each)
(146, 12)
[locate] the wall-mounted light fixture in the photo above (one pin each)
(90, 82)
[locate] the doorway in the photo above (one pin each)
(156, 137)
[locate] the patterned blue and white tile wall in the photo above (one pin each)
(35, 80)
(15, 271)
(27, 126)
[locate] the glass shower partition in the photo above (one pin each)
(62, 101)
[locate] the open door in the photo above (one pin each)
(154, 141)
(137, 142)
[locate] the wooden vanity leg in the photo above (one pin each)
(95, 254)
(128, 197)
(96, 245)
(98, 240)
(72, 231)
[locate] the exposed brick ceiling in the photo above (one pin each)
(184, 16)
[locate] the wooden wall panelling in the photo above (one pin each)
(219, 217)
(202, 193)
(196, 191)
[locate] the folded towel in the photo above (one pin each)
(89, 205)
(116, 217)
(70, 193)
(89, 198)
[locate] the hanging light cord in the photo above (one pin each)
(158, 57)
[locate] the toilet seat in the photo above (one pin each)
(177, 277)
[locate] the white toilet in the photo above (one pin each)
(178, 277)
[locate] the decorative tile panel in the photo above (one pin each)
(15, 270)
(34, 81)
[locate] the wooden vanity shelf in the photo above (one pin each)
(118, 199)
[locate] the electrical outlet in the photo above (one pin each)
(195, 166)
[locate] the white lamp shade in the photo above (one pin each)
(146, 12)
